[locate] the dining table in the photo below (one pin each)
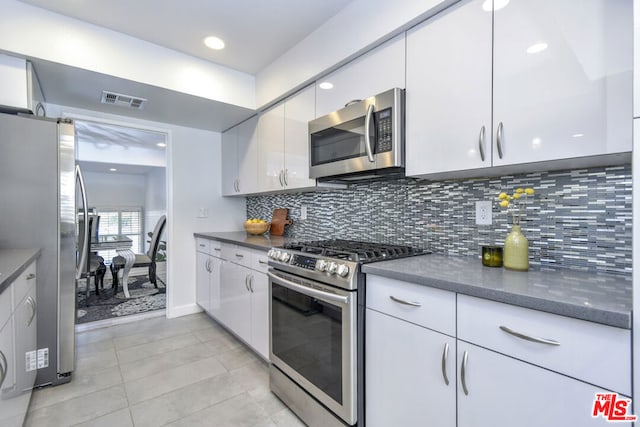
(122, 245)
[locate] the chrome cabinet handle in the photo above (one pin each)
(32, 304)
(236, 185)
(262, 262)
(445, 355)
(31, 276)
(246, 282)
(251, 283)
(529, 337)
(216, 249)
(367, 137)
(286, 176)
(239, 256)
(463, 373)
(401, 301)
(481, 143)
(499, 138)
(202, 245)
(280, 178)
(3, 368)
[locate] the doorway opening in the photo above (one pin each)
(125, 176)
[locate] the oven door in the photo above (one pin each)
(313, 339)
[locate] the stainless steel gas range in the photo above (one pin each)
(317, 306)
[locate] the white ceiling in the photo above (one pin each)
(256, 32)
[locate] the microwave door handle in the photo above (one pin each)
(367, 136)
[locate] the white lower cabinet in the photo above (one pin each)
(543, 370)
(233, 288)
(503, 391)
(411, 374)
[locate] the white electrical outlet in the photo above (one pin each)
(483, 213)
(303, 212)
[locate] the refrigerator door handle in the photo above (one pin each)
(85, 246)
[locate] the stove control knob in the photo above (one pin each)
(285, 256)
(343, 270)
(333, 267)
(276, 255)
(321, 265)
(271, 254)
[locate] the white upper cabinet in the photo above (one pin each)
(229, 165)
(448, 97)
(248, 156)
(283, 161)
(271, 149)
(563, 76)
(551, 81)
(376, 71)
(299, 111)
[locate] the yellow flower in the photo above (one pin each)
(519, 190)
(517, 195)
(504, 203)
(502, 196)
(529, 191)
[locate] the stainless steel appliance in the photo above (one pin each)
(317, 308)
(364, 140)
(38, 179)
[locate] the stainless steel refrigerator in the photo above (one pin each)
(38, 179)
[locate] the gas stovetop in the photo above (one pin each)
(352, 250)
(336, 262)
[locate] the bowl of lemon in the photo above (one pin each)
(256, 226)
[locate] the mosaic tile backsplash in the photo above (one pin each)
(578, 219)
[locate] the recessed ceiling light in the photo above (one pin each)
(214, 43)
(497, 5)
(113, 169)
(537, 48)
(161, 144)
(577, 135)
(326, 85)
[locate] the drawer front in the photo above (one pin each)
(591, 352)
(424, 306)
(259, 261)
(202, 245)
(215, 248)
(236, 254)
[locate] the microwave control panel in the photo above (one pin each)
(385, 131)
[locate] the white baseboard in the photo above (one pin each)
(183, 310)
(83, 327)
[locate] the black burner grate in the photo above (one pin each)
(357, 251)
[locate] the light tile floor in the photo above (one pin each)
(186, 371)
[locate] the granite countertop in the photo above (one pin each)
(13, 262)
(263, 242)
(598, 298)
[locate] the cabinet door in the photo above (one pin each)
(563, 79)
(298, 111)
(235, 300)
(229, 161)
(7, 388)
(405, 383)
(504, 392)
(271, 149)
(260, 313)
(448, 98)
(370, 74)
(203, 274)
(248, 156)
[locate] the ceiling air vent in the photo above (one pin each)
(122, 100)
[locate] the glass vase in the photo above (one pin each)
(516, 250)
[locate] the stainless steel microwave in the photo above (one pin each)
(363, 140)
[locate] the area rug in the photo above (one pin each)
(144, 297)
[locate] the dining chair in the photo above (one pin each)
(147, 259)
(95, 263)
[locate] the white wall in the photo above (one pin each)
(34, 32)
(105, 189)
(193, 181)
(355, 29)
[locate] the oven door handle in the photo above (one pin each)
(308, 291)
